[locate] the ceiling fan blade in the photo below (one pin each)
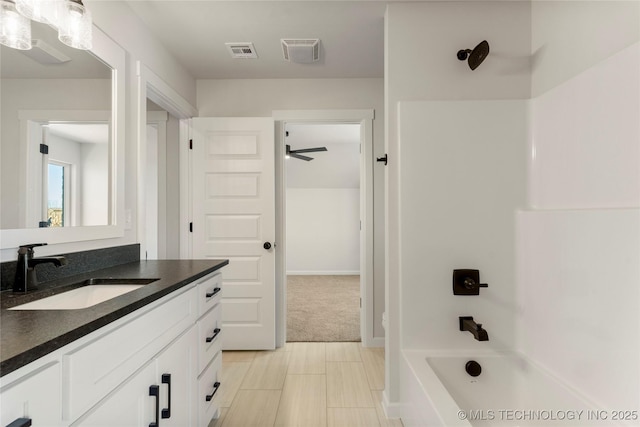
(301, 157)
(309, 150)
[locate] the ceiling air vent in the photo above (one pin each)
(242, 50)
(301, 51)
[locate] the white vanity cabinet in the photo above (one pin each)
(157, 365)
(210, 334)
(35, 397)
(162, 392)
(129, 405)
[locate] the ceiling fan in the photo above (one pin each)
(297, 155)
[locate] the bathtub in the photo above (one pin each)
(510, 391)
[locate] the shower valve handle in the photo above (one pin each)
(467, 282)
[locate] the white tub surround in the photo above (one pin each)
(462, 176)
(580, 299)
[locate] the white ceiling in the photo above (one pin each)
(338, 167)
(351, 36)
(85, 133)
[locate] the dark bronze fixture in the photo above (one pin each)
(473, 368)
(467, 282)
(467, 324)
(476, 56)
(26, 278)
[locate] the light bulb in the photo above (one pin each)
(38, 10)
(15, 29)
(75, 27)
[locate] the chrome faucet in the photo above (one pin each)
(26, 278)
(467, 324)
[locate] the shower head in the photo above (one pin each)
(476, 56)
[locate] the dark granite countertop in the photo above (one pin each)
(30, 334)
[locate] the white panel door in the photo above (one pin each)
(233, 197)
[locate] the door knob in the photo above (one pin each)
(267, 245)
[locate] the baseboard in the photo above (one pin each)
(373, 342)
(323, 273)
(391, 410)
(377, 342)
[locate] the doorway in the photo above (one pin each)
(322, 199)
(362, 119)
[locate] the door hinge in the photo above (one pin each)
(191, 144)
(44, 149)
(190, 227)
(360, 302)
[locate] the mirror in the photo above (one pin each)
(61, 126)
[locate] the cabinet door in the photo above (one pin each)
(36, 397)
(176, 374)
(130, 405)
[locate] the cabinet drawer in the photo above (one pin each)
(209, 336)
(100, 365)
(208, 391)
(209, 292)
(36, 396)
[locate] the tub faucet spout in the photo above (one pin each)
(468, 324)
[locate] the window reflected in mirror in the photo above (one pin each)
(56, 204)
(73, 158)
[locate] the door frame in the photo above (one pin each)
(151, 86)
(365, 119)
(156, 191)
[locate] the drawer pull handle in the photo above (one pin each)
(216, 331)
(166, 412)
(20, 422)
(215, 291)
(154, 390)
(216, 386)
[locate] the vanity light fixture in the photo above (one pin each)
(45, 54)
(70, 18)
(75, 25)
(15, 29)
(38, 10)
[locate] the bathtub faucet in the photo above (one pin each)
(467, 324)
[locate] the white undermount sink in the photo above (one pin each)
(93, 292)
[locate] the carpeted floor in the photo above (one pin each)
(323, 308)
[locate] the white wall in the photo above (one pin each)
(127, 29)
(568, 37)
(579, 250)
(323, 231)
(421, 42)
(259, 97)
(95, 184)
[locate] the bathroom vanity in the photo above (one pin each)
(151, 356)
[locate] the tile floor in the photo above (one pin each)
(303, 385)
